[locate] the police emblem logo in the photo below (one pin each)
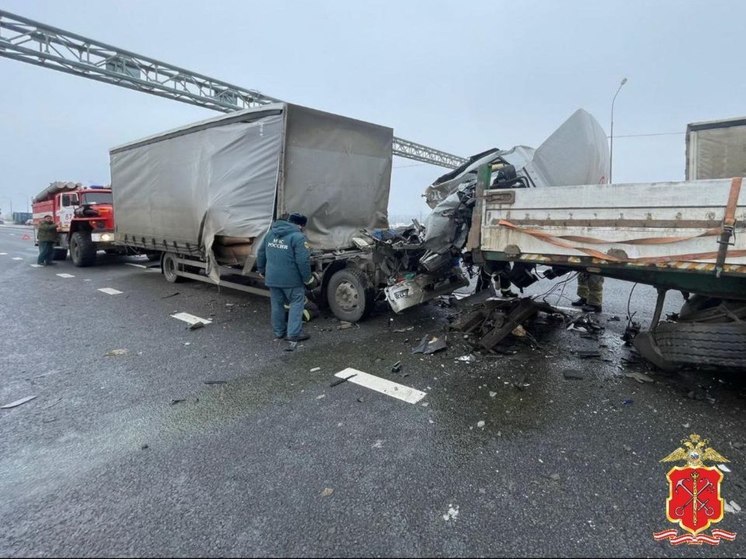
(694, 501)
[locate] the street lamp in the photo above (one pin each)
(611, 149)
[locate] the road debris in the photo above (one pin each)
(344, 325)
(452, 513)
(178, 401)
(315, 369)
(480, 423)
(396, 367)
(732, 507)
(430, 344)
(400, 330)
(327, 492)
(339, 381)
(493, 320)
(115, 352)
(466, 358)
(639, 377)
(196, 326)
(215, 382)
(17, 403)
(174, 294)
(554, 477)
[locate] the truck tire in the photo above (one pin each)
(59, 254)
(169, 267)
(348, 295)
(82, 249)
(700, 308)
(715, 344)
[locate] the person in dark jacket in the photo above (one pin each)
(46, 237)
(285, 262)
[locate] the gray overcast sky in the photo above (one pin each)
(461, 76)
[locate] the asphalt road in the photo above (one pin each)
(275, 462)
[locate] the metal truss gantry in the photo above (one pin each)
(43, 45)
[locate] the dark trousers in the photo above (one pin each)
(46, 252)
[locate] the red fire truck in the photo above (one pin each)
(85, 219)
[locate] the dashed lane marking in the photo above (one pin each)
(393, 389)
(110, 291)
(3, 254)
(36, 266)
(190, 318)
(66, 275)
(17, 258)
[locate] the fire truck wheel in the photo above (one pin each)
(348, 295)
(82, 249)
(169, 266)
(60, 254)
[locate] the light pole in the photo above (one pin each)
(611, 149)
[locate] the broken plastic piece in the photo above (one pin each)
(17, 402)
(396, 367)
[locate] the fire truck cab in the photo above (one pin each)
(85, 220)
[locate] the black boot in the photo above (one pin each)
(579, 302)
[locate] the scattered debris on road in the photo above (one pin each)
(639, 377)
(493, 320)
(196, 326)
(17, 403)
(115, 352)
(452, 513)
(396, 367)
(400, 330)
(174, 294)
(344, 325)
(177, 401)
(430, 344)
(215, 382)
(339, 381)
(327, 492)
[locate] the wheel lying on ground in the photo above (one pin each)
(713, 344)
(700, 308)
(59, 254)
(169, 266)
(348, 295)
(82, 249)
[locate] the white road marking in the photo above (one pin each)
(3, 254)
(66, 275)
(135, 265)
(190, 318)
(17, 258)
(110, 291)
(36, 266)
(381, 385)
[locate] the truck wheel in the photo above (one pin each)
(711, 309)
(59, 254)
(169, 267)
(82, 249)
(348, 295)
(690, 343)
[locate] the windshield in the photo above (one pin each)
(96, 198)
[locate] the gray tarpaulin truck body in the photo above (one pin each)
(229, 176)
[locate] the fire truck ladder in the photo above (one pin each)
(37, 43)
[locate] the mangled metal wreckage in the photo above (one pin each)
(423, 262)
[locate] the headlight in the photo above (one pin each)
(106, 237)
